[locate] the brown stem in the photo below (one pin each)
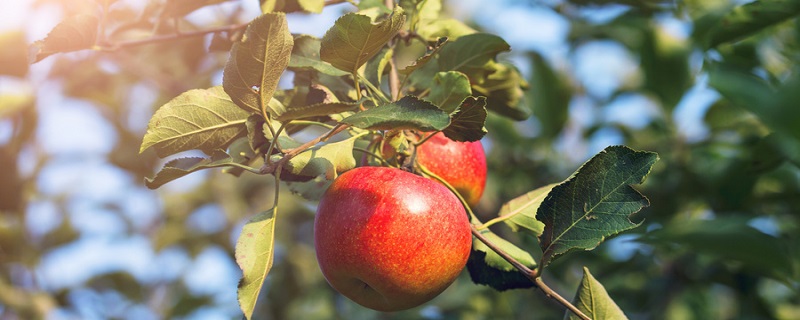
(530, 274)
(270, 168)
(168, 37)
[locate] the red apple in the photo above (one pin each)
(389, 239)
(461, 164)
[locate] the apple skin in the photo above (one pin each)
(388, 239)
(461, 164)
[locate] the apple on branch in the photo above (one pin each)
(461, 164)
(389, 239)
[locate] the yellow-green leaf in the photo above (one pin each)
(254, 255)
(593, 300)
(354, 39)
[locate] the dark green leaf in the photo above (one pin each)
(317, 109)
(14, 56)
(204, 119)
(488, 268)
(467, 123)
(354, 39)
(503, 89)
(182, 166)
(254, 255)
(75, 33)
(471, 51)
(745, 20)
(449, 90)
(257, 62)
(406, 113)
(731, 239)
(595, 202)
(550, 96)
(305, 56)
(593, 300)
(520, 212)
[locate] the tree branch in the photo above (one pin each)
(169, 37)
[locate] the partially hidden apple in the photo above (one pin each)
(388, 239)
(461, 164)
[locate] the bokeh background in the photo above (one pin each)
(81, 237)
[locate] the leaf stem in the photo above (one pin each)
(493, 221)
(376, 91)
(420, 142)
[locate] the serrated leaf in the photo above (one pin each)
(75, 33)
(14, 56)
(180, 167)
(467, 123)
(329, 160)
(204, 119)
(254, 255)
(471, 51)
(257, 62)
(421, 61)
(354, 39)
(745, 20)
(595, 202)
(593, 300)
(449, 90)
(305, 56)
(407, 113)
(520, 212)
(488, 268)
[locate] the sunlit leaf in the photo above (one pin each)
(75, 33)
(520, 212)
(204, 119)
(593, 300)
(257, 61)
(488, 268)
(329, 160)
(354, 39)
(450, 28)
(305, 55)
(180, 167)
(467, 122)
(254, 255)
(406, 113)
(449, 90)
(595, 202)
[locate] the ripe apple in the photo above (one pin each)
(389, 239)
(461, 164)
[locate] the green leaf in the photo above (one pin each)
(254, 255)
(305, 56)
(503, 89)
(204, 119)
(731, 239)
(593, 300)
(549, 95)
(14, 56)
(449, 90)
(75, 33)
(407, 113)
(317, 109)
(329, 160)
(471, 51)
(467, 123)
(488, 268)
(429, 54)
(310, 190)
(180, 167)
(257, 61)
(354, 39)
(450, 28)
(595, 202)
(520, 212)
(744, 20)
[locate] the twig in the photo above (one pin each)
(394, 77)
(530, 274)
(270, 168)
(168, 37)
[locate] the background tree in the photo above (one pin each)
(708, 85)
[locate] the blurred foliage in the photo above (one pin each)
(719, 241)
